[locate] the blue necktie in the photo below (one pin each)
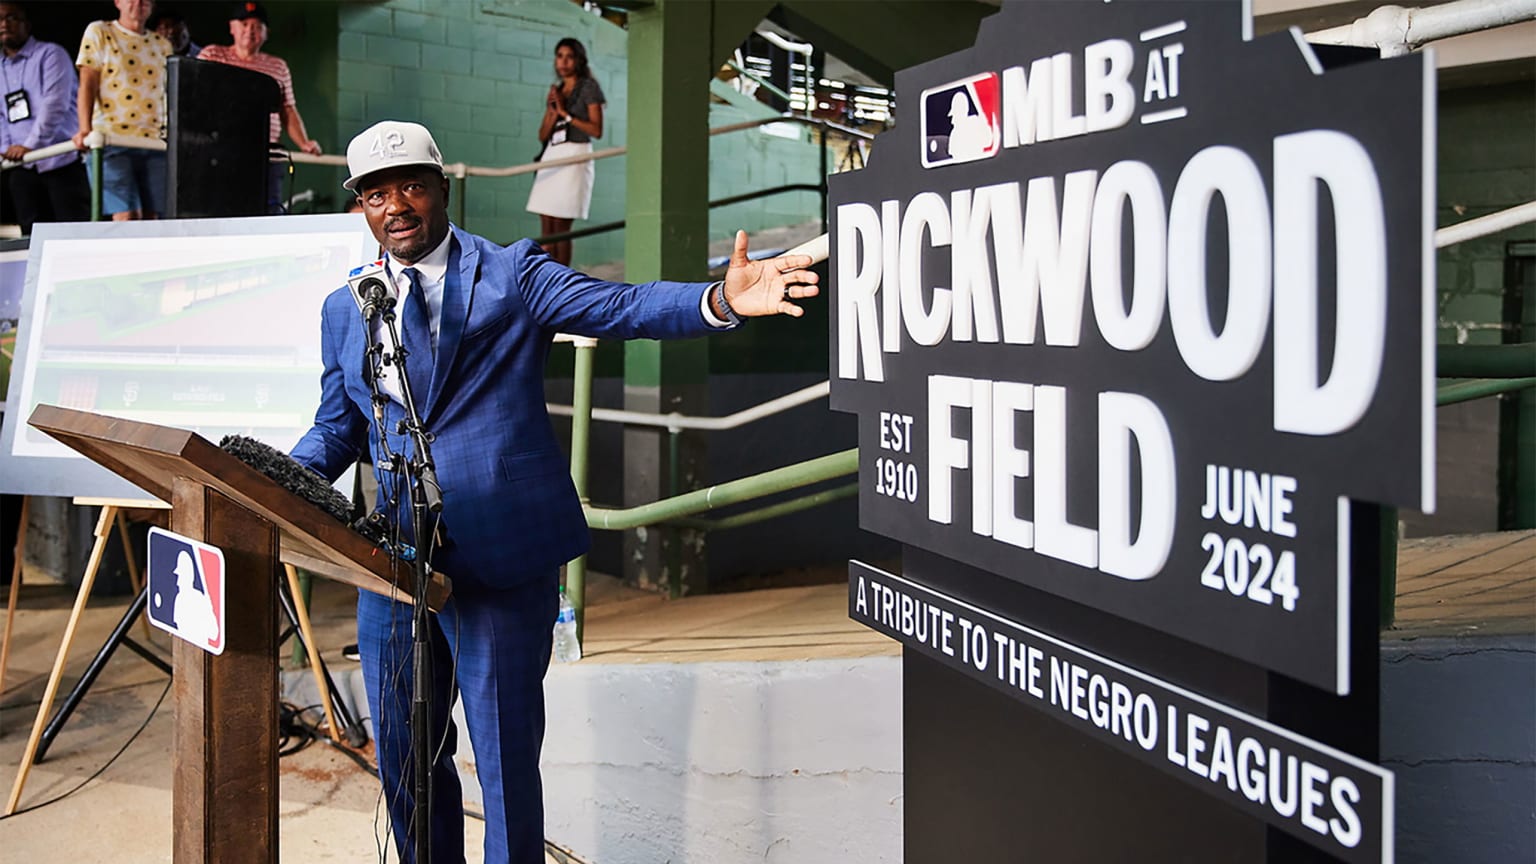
(416, 334)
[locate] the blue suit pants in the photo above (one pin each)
(491, 648)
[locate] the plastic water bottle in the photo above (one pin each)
(567, 648)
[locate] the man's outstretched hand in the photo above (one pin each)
(755, 288)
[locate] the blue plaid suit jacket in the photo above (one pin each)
(509, 509)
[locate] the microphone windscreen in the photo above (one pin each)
(285, 472)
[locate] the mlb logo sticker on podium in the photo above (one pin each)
(186, 589)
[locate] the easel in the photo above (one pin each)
(10, 606)
(115, 512)
(111, 513)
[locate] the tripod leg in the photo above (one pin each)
(296, 609)
(134, 577)
(103, 530)
(10, 606)
(98, 663)
(350, 726)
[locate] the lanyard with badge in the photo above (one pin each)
(17, 108)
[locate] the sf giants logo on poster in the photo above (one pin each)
(186, 589)
(962, 121)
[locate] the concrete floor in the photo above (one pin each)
(329, 807)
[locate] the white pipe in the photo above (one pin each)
(136, 142)
(41, 153)
(578, 341)
(1394, 30)
(1482, 226)
(92, 141)
(792, 47)
(679, 422)
(816, 248)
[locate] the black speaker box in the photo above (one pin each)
(219, 129)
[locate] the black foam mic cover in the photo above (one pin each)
(285, 472)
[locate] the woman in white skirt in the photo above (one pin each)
(573, 119)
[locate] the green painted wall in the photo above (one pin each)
(1487, 163)
(307, 41)
(746, 161)
(475, 72)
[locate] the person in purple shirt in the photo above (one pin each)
(39, 88)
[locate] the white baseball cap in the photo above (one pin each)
(390, 144)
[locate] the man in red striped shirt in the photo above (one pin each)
(248, 26)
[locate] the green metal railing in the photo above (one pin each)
(1488, 370)
(1479, 388)
(794, 476)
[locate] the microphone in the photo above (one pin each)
(370, 288)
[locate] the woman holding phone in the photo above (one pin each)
(573, 119)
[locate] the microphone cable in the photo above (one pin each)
(108, 764)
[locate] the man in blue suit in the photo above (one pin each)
(510, 514)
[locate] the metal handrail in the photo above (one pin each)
(457, 170)
(772, 511)
(794, 476)
(816, 248)
(675, 422)
(39, 155)
(94, 141)
(610, 152)
(605, 227)
(1479, 388)
(1511, 360)
(1482, 226)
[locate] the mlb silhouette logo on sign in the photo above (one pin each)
(962, 120)
(186, 589)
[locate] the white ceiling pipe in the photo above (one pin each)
(1394, 30)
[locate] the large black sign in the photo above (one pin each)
(1130, 304)
(1328, 798)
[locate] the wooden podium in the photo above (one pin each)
(225, 785)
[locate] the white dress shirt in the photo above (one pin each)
(433, 268)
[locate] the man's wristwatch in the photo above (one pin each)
(719, 305)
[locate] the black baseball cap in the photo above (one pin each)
(248, 9)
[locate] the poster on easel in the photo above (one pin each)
(203, 324)
(13, 275)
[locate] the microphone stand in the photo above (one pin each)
(426, 496)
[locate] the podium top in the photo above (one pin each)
(152, 457)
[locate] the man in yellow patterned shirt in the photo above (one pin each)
(122, 92)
